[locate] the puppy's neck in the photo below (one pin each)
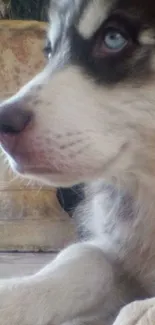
(124, 221)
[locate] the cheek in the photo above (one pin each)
(75, 124)
(65, 138)
(60, 148)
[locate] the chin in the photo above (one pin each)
(45, 177)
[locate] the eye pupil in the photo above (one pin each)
(114, 40)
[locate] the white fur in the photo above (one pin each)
(92, 18)
(87, 132)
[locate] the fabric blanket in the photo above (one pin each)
(137, 313)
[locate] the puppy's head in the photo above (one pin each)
(91, 112)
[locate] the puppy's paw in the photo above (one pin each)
(14, 306)
(137, 313)
(9, 306)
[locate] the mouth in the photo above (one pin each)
(23, 160)
(24, 164)
(33, 170)
(27, 161)
(29, 157)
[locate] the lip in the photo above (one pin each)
(36, 170)
(22, 162)
(8, 143)
(13, 148)
(26, 162)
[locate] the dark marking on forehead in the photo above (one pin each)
(132, 64)
(142, 9)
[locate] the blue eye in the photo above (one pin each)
(111, 41)
(114, 40)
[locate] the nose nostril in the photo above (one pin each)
(14, 121)
(7, 129)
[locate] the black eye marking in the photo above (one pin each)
(115, 35)
(110, 42)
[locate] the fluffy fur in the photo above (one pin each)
(90, 118)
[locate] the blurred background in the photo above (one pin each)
(31, 218)
(32, 222)
(24, 9)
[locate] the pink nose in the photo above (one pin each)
(13, 119)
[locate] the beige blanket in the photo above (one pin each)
(137, 313)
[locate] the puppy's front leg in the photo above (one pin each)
(79, 283)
